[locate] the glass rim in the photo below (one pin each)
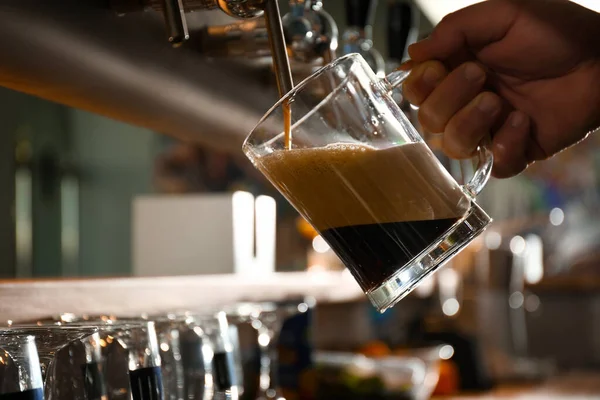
(50, 326)
(109, 323)
(206, 316)
(18, 334)
(300, 87)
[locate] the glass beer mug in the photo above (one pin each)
(361, 174)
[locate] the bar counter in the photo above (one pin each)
(576, 385)
(38, 298)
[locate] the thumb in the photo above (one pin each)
(466, 30)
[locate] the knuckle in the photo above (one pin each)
(466, 130)
(462, 137)
(448, 19)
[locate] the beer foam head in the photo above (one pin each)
(317, 158)
(355, 184)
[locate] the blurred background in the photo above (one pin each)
(522, 303)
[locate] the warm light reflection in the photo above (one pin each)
(446, 352)
(256, 324)
(450, 307)
(264, 339)
(516, 300)
(302, 307)
(557, 216)
(493, 240)
(534, 259)
(517, 245)
(319, 244)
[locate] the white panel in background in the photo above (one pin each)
(435, 10)
(591, 4)
(203, 234)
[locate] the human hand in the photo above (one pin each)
(525, 72)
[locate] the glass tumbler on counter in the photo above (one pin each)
(167, 328)
(220, 372)
(361, 174)
(20, 372)
(94, 369)
(130, 357)
(49, 340)
(169, 342)
(267, 318)
(122, 360)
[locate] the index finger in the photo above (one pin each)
(473, 27)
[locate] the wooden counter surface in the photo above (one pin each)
(581, 385)
(30, 299)
(568, 285)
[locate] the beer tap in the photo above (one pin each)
(402, 31)
(234, 8)
(311, 38)
(175, 22)
(174, 12)
(311, 33)
(358, 36)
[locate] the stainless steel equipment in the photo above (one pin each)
(82, 54)
(311, 35)
(111, 58)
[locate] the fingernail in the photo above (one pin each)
(487, 104)
(431, 76)
(517, 119)
(473, 72)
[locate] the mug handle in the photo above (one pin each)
(484, 155)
